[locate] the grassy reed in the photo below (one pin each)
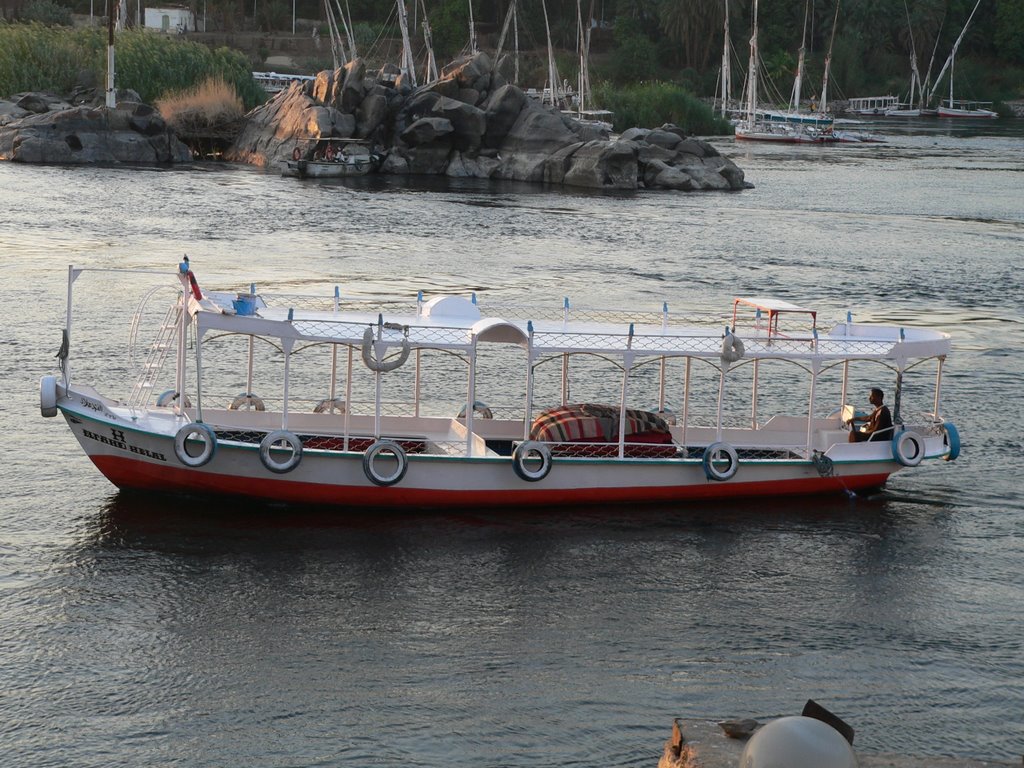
(648, 105)
(38, 58)
(205, 107)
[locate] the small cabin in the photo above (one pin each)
(170, 19)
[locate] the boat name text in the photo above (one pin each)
(118, 441)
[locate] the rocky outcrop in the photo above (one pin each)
(43, 129)
(472, 123)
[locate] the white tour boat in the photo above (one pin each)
(382, 403)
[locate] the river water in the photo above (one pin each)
(139, 630)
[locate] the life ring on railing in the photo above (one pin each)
(480, 410)
(195, 432)
(382, 366)
(296, 154)
(330, 405)
(714, 455)
(268, 443)
(907, 448)
(373, 474)
(951, 437)
(48, 396)
(732, 348)
(248, 401)
(528, 453)
(166, 399)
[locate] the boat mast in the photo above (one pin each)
(795, 105)
(952, 55)
(552, 69)
(915, 76)
(408, 67)
(726, 73)
(510, 18)
(752, 75)
(428, 38)
(823, 102)
(472, 30)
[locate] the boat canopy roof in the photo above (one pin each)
(457, 323)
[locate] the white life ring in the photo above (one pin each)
(732, 348)
(167, 399)
(382, 366)
(714, 455)
(271, 441)
(247, 401)
(528, 453)
(195, 432)
(373, 474)
(48, 396)
(329, 405)
(480, 411)
(908, 448)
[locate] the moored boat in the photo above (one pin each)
(331, 158)
(963, 108)
(445, 403)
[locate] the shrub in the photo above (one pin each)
(34, 57)
(649, 105)
(46, 12)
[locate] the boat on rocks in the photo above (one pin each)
(449, 402)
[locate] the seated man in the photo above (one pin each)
(879, 421)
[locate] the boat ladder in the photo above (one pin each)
(155, 357)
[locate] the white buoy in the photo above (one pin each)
(798, 742)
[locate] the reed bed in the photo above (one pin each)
(212, 107)
(34, 57)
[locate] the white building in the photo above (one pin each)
(170, 19)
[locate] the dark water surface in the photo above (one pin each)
(139, 630)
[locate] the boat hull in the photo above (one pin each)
(145, 459)
(313, 169)
(976, 113)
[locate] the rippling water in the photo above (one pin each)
(148, 631)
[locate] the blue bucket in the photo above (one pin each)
(245, 304)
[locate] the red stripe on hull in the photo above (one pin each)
(130, 473)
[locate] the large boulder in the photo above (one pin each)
(470, 72)
(501, 112)
(426, 130)
(429, 159)
(537, 133)
(10, 111)
(463, 166)
(604, 165)
(371, 112)
(353, 89)
(324, 86)
(83, 135)
(468, 122)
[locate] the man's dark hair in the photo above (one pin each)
(877, 391)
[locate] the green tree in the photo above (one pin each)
(1009, 34)
(693, 25)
